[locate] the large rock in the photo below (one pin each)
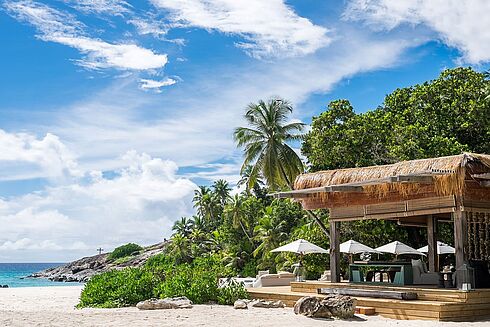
(267, 304)
(339, 306)
(83, 269)
(167, 303)
(240, 304)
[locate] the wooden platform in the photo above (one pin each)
(432, 303)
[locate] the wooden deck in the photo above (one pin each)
(432, 303)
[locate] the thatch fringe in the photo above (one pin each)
(461, 167)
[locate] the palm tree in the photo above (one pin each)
(269, 232)
(222, 190)
(265, 143)
(236, 212)
(198, 223)
(266, 148)
(180, 248)
(206, 203)
(183, 226)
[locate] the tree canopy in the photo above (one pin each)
(445, 116)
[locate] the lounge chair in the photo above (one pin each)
(280, 279)
(421, 276)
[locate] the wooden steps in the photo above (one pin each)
(433, 304)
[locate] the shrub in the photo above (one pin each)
(124, 251)
(119, 288)
(229, 294)
(161, 277)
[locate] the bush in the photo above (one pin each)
(125, 251)
(161, 277)
(119, 288)
(229, 294)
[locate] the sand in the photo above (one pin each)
(54, 306)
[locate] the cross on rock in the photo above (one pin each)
(100, 250)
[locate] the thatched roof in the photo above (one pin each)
(448, 173)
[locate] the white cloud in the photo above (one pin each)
(139, 204)
(149, 84)
(63, 28)
(23, 155)
(150, 27)
(271, 28)
(101, 54)
(111, 7)
(461, 24)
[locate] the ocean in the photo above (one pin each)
(12, 274)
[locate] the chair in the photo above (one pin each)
(279, 279)
(421, 275)
(326, 277)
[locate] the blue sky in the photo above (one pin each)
(113, 111)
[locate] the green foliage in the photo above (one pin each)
(161, 277)
(125, 251)
(118, 288)
(445, 116)
(265, 144)
(229, 294)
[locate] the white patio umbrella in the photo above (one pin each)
(301, 247)
(353, 247)
(397, 248)
(442, 248)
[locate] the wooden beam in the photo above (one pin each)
(422, 179)
(432, 242)
(481, 176)
(460, 237)
(343, 188)
(485, 183)
(335, 252)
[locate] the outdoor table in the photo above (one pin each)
(401, 271)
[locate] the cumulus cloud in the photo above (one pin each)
(63, 28)
(271, 28)
(138, 204)
(149, 84)
(461, 24)
(23, 155)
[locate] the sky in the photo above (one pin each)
(112, 112)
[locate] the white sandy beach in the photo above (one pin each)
(54, 306)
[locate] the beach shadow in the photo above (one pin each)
(353, 319)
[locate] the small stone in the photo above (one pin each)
(240, 304)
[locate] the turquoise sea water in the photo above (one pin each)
(12, 274)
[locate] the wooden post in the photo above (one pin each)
(335, 251)
(460, 237)
(432, 243)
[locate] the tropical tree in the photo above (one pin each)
(269, 233)
(265, 141)
(183, 226)
(221, 190)
(442, 117)
(235, 210)
(180, 248)
(206, 204)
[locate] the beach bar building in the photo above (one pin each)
(422, 193)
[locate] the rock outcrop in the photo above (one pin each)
(338, 306)
(83, 269)
(167, 303)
